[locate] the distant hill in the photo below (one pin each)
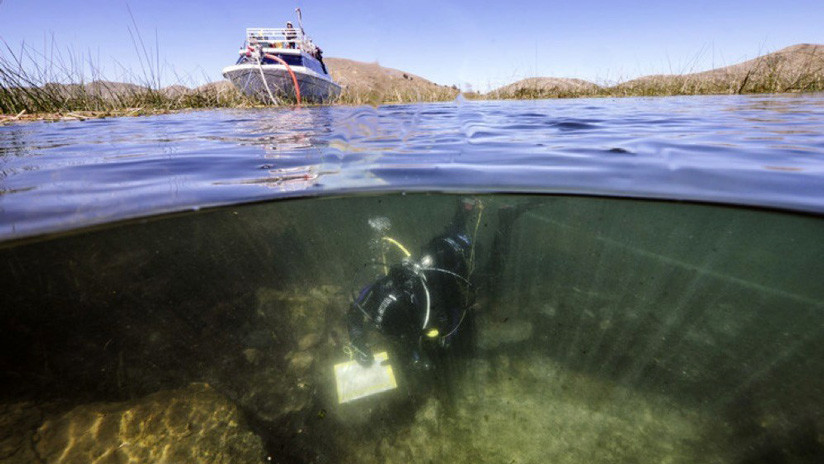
(797, 68)
(792, 69)
(217, 86)
(372, 83)
(175, 91)
(545, 87)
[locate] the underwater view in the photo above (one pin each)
(601, 330)
(508, 282)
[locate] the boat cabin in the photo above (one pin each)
(291, 45)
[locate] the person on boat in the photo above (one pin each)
(423, 306)
(291, 35)
(319, 57)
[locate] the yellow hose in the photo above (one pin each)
(397, 244)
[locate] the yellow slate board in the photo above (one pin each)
(355, 381)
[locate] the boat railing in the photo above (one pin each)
(279, 38)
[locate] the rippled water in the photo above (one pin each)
(754, 150)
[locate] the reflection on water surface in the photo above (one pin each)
(59, 176)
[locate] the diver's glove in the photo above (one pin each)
(362, 354)
(421, 362)
(364, 359)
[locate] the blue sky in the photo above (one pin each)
(482, 44)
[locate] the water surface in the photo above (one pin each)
(755, 150)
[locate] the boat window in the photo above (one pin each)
(291, 60)
(314, 65)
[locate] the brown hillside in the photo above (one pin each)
(793, 69)
(175, 91)
(217, 86)
(545, 87)
(372, 83)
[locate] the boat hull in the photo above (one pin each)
(253, 80)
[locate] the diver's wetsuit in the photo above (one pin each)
(396, 304)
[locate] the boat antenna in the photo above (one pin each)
(300, 19)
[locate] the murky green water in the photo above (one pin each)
(603, 330)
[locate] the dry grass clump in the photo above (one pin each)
(102, 99)
(390, 96)
(30, 89)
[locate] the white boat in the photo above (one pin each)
(280, 64)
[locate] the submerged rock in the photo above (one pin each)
(506, 331)
(252, 355)
(534, 410)
(531, 409)
(288, 352)
(422, 441)
(309, 341)
(193, 425)
(300, 361)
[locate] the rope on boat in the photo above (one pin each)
(256, 52)
(266, 84)
(288, 68)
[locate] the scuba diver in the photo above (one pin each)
(422, 306)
